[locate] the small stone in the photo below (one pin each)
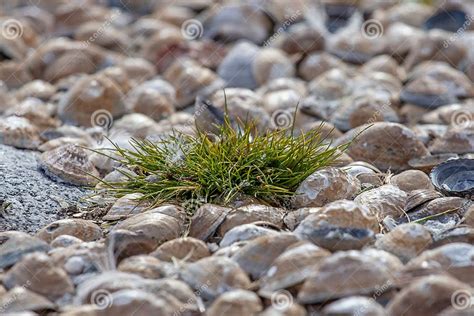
(245, 232)
(317, 63)
(126, 206)
(83, 229)
(383, 201)
(15, 245)
(427, 163)
(384, 63)
(354, 305)
(61, 141)
(188, 248)
(146, 266)
(340, 225)
(426, 296)
(293, 309)
(118, 175)
(446, 211)
(385, 145)
(88, 96)
(154, 98)
(40, 275)
(20, 301)
(417, 198)
(134, 125)
(22, 75)
(368, 175)
(70, 164)
(256, 256)
(238, 22)
(455, 140)
(206, 220)
(38, 113)
(65, 241)
(343, 213)
(213, 276)
(135, 302)
(445, 257)
(324, 186)
(137, 69)
(158, 225)
(410, 180)
(453, 235)
(406, 241)
(271, 63)
(75, 265)
(362, 110)
(294, 218)
(190, 80)
(236, 302)
(252, 213)
(19, 132)
(388, 260)
(292, 267)
(236, 68)
(109, 282)
(342, 274)
(125, 243)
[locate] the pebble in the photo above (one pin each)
(344, 213)
(340, 225)
(146, 266)
(52, 283)
(342, 274)
(154, 98)
(324, 186)
(138, 302)
(244, 232)
(89, 97)
(134, 125)
(70, 164)
(206, 220)
(406, 241)
(126, 206)
(19, 132)
(21, 300)
(236, 67)
(82, 229)
(293, 266)
(448, 256)
(15, 245)
(257, 255)
(213, 276)
(430, 294)
(359, 305)
(236, 302)
(410, 180)
(157, 225)
(188, 249)
(250, 214)
(383, 201)
(385, 145)
(271, 63)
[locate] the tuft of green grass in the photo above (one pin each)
(181, 167)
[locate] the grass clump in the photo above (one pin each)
(182, 167)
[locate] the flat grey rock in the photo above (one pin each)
(35, 199)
